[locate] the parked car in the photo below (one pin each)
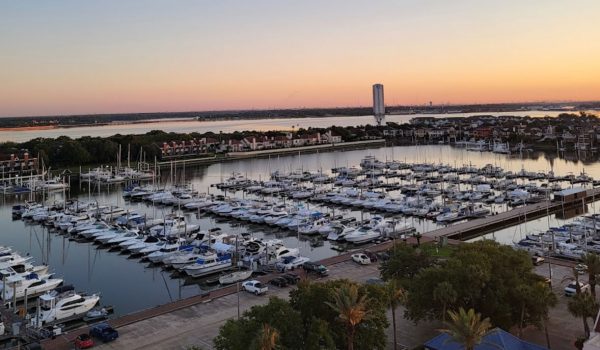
(279, 282)
(581, 269)
(571, 289)
(255, 287)
(383, 256)
(371, 255)
(361, 259)
(104, 332)
(291, 263)
(84, 341)
(317, 268)
(291, 278)
(375, 281)
(537, 260)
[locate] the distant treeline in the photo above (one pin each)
(93, 119)
(67, 152)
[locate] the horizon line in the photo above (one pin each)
(304, 108)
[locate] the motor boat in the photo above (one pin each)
(209, 264)
(235, 277)
(32, 283)
(362, 234)
(60, 307)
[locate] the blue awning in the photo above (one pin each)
(496, 339)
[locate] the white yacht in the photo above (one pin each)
(55, 307)
(362, 234)
(208, 265)
(32, 283)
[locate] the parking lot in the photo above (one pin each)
(199, 324)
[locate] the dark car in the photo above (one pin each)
(104, 332)
(383, 256)
(371, 255)
(375, 281)
(279, 282)
(291, 278)
(317, 268)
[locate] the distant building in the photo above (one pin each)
(378, 103)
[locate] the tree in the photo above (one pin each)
(404, 263)
(485, 276)
(278, 313)
(352, 309)
(592, 261)
(525, 295)
(467, 327)
(585, 306)
(396, 296)
(445, 294)
(543, 297)
(309, 298)
(267, 338)
(304, 323)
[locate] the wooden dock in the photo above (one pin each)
(478, 227)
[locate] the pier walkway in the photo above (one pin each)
(477, 227)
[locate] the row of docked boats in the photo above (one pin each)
(110, 175)
(23, 281)
(171, 242)
(570, 241)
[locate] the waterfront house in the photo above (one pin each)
(282, 141)
(421, 133)
(331, 137)
(482, 133)
(437, 133)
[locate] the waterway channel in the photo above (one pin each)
(226, 126)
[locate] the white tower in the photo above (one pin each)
(378, 104)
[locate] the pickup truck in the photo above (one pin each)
(317, 268)
(255, 287)
(104, 332)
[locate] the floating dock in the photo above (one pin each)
(478, 227)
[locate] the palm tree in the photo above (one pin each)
(267, 338)
(573, 276)
(583, 305)
(351, 308)
(544, 294)
(396, 296)
(467, 327)
(525, 293)
(592, 261)
(445, 294)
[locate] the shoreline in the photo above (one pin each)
(29, 128)
(199, 117)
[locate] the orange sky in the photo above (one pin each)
(74, 57)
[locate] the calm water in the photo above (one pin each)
(131, 285)
(187, 126)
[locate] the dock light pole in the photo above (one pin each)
(237, 283)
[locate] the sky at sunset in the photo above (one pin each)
(73, 57)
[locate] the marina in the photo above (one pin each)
(183, 235)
